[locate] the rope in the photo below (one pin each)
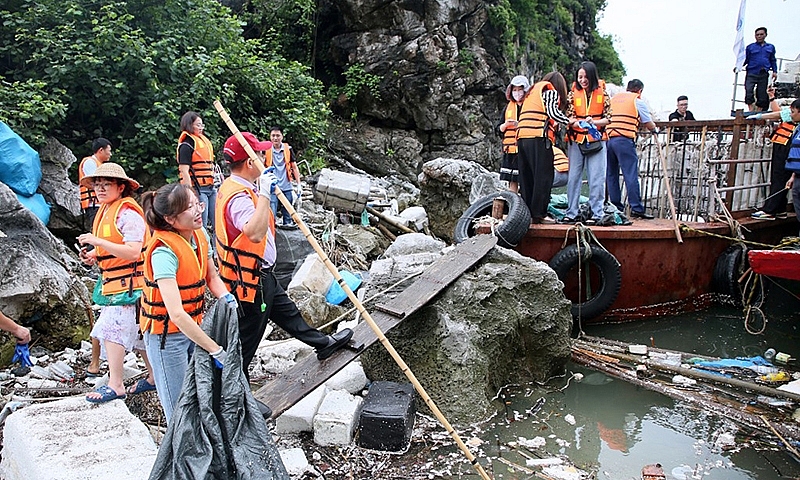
(687, 228)
(493, 224)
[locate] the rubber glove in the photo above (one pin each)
(593, 132)
(267, 182)
(230, 300)
(297, 189)
(22, 355)
(219, 357)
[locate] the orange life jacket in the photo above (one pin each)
(202, 168)
(87, 196)
(560, 160)
(624, 115)
(118, 275)
(782, 133)
(533, 119)
(191, 279)
(510, 135)
(287, 158)
(239, 258)
(587, 106)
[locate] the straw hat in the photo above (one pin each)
(109, 170)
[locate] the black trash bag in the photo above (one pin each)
(217, 431)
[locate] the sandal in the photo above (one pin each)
(567, 221)
(140, 387)
(106, 395)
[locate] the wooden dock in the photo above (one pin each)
(291, 386)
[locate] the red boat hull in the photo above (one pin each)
(776, 263)
(659, 275)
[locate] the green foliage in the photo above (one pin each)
(466, 59)
(128, 70)
(534, 33)
(358, 83)
(290, 24)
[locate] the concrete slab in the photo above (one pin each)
(336, 418)
(300, 418)
(312, 275)
(351, 378)
(295, 461)
(72, 438)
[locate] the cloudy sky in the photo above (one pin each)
(685, 47)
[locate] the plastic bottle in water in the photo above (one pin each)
(769, 355)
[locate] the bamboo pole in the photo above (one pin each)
(699, 171)
(388, 220)
(367, 317)
(669, 189)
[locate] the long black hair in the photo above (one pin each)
(168, 201)
(591, 73)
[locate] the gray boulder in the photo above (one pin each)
(505, 321)
(56, 187)
(38, 286)
(445, 186)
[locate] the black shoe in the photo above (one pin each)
(266, 412)
(642, 215)
(335, 342)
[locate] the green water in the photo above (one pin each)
(619, 428)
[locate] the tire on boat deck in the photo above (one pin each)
(609, 284)
(509, 232)
(731, 265)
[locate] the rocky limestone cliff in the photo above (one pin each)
(442, 80)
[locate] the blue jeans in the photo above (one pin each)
(208, 195)
(273, 202)
(622, 156)
(560, 178)
(169, 366)
(595, 166)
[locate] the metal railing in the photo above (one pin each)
(730, 157)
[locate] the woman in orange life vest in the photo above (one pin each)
(543, 106)
(588, 102)
(196, 163)
(117, 235)
(177, 268)
(507, 129)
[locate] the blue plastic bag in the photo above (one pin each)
(22, 355)
(36, 204)
(20, 167)
(593, 132)
(336, 294)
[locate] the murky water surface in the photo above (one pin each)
(618, 427)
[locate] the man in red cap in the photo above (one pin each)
(245, 230)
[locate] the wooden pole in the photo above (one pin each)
(390, 221)
(699, 171)
(669, 189)
(359, 306)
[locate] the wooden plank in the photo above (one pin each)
(292, 385)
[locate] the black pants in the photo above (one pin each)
(281, 310)
(757, 81)
(535, 163)
(777, 180)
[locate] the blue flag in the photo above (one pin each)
(738, 44)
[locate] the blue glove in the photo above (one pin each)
(230, 300)
(219, 357)
(22, 355)
(267, 182)
(593, 132)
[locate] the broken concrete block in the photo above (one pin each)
(313, 276)
(342, 191)
(72, 438)
(295, 461)
(300, 418)
(351, 378)
(415, 215)
(336, 418)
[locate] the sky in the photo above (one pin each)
(685, 47)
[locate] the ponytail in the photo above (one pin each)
(168, 201)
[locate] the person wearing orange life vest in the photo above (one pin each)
(89, 204)
(117, 237)
(561, 167)
(245, 234)
(589, 103)
(507, 128)
(178, 267)
(281, 156)
(628, 112)
(196, 163)
(775, 204)
(543, 105)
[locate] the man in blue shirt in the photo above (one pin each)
(759, 59)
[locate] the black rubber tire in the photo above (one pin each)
(510, 232)
(731, 265)
(610, 279)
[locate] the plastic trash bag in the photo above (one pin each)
(217, 430)
(22, 355)
(593, 132)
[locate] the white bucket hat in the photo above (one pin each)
(518, 81)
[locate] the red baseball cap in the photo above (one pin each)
(235, 150)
